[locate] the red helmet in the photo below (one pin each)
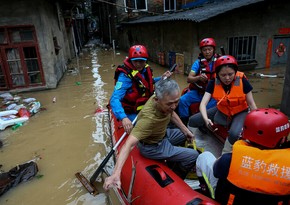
(266, 127)
(138, 52)
(224, 60)
(207, 42)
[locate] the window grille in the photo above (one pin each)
(243, 48)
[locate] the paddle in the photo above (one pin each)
(104, 162)
(89, 184)
(172, 69)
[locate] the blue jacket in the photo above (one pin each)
(123, 84)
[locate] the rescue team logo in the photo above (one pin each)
(264, 171)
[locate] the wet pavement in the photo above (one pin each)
(72, 134)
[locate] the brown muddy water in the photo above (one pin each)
(69, 136)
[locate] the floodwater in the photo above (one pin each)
(72, 134)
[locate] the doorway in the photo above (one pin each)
(281, 45)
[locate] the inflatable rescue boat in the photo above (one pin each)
(146, 181)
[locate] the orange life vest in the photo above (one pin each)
(204, 68)
(260, 171)
(142, 87)
(233, 102)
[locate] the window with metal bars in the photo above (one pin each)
(243, 48)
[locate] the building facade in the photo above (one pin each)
(256, 32)
(37, 39)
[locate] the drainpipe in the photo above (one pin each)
(268, 53)
(114, 47)
(109, 19)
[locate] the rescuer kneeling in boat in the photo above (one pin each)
(257, 170)
(134, 84)
(154, 139)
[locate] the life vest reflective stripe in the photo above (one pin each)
(211, 191)
(233, 102)
(142, 87)
(260, 171)
(204, 68)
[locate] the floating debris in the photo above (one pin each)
(73, 71)
(39, 176)
(87, 116)
(15, 127)
(29, 100)
(34, 107)
(99, 110)
(261, 75)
